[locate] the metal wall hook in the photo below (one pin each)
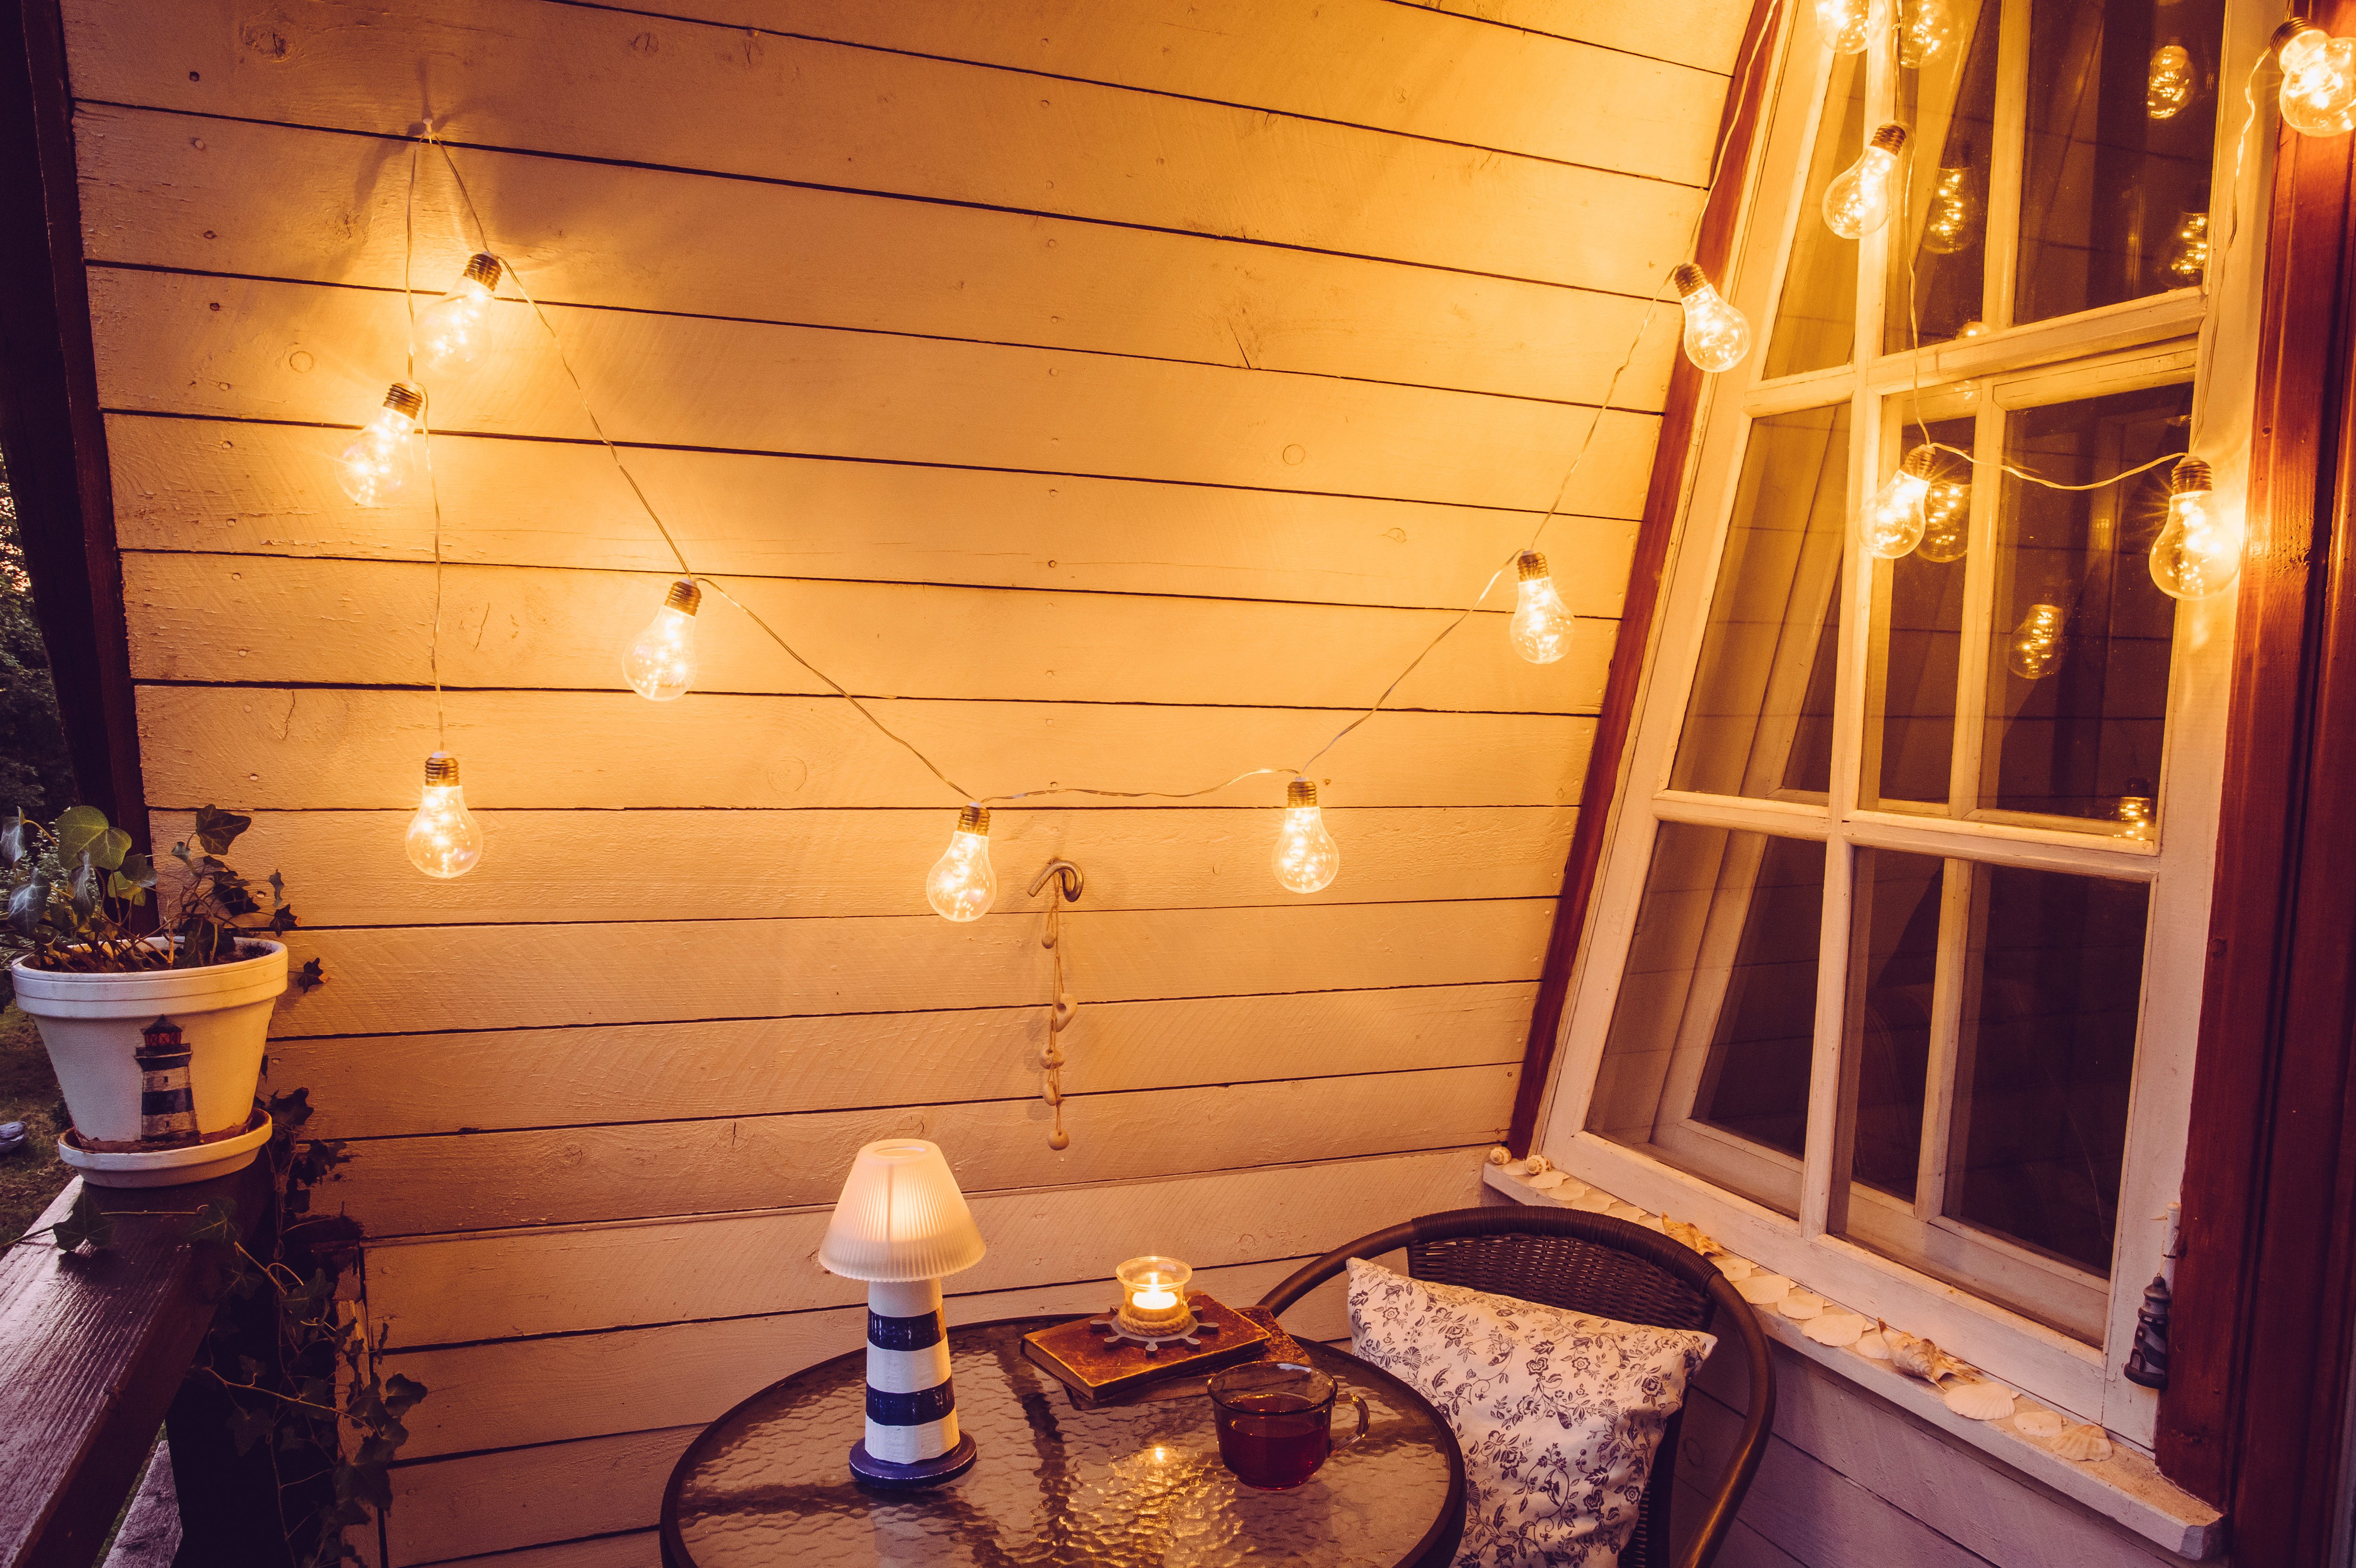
(1073, 881)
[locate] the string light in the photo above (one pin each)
(1542, 622)
(1952, 222)
(961, 885)
(1858, 202)
(2173, 83)
(1306, 858)
(2200, 550)
(2319, 87)
(1927, 31)
(1848, 25)
(2188, 252)
(1717, 335)
(661, 663)
(1893, 520)
(2134, 812)
(1946, 520)
(452, 330)
(442, 839)
(376, 465)
(2037, 642)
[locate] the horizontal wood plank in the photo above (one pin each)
(392, 1086)
(267, 747)
(1695, 32)
(479, 1182)
(173, 191)
(222, 485)
(237, 618)
(527, 1497)
(607, 84)
(456, 1290)
(259, 349)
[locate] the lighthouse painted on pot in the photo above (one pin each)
(167, 1102)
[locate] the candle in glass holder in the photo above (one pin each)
(1153, 1298)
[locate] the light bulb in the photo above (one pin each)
(1542, 622)
(2037, 643)
(961, 886)
(2318, 89)
(2173, 83)
(1848, 24)
(1858, 202)
(1953, 220)
(1946, 521)
(442, 839)
(1893, 523)
(1717, 335)
(452, 331)
(2200, 550)
(2188, 252)
(2134, 810)
(1306, 857)
(376, 465)
(1925, 33)
(661, 663)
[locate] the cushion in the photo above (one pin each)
(1558, 1414)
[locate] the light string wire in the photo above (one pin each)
(1740, 81)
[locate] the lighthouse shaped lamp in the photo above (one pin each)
(901, 1224)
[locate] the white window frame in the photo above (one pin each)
(2147, 341)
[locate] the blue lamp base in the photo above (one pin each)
(873, 1472)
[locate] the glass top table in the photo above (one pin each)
(768, 1485)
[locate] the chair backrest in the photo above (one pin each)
(1609, 1269)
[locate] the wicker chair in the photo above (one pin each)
(1592, 1263)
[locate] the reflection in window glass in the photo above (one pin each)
(2122, 112)
(1922, 630)
(1706, 1063)
(1938, 252)
(1815, 321)
(2078, 660)
(1758, 721)
(1896, 914)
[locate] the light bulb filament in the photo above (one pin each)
(1542, 624)
(1306, 858)
(660, 666)
(961, 886)
(444, 840)
(1717, 335)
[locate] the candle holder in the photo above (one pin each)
(1154, 1310)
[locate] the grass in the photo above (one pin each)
(28, 1093)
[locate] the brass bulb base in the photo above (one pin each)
(1531, 565)
(2286, 32)
(1689, 278)
(441, 768)
(1918, 461)
(1299, 793)
(1891, 137)
(484, 268)
(684, 596)
(2189, 477)
(404, 399)
(974, 819)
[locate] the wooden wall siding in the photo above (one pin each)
(1127, 386)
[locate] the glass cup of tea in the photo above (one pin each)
(1276, 1422)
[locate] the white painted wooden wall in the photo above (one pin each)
(1129, 386)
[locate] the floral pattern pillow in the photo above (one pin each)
(1558, 1414)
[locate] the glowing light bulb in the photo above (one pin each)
(1848, 24)
(375, 467)
(452, 331)
(2038, 643)
(1946, 521)
(2188, 252)
(661, 663)
(1542, 624)
(1717, 335)
(1952, 219)
(1306, 857)
(1925, 33)
(1858, 202)
(1893, 523)
(2173, 83)
(442, 839)
(2200, 550)
(2134, 810)
(961, 886)
(2318, 89)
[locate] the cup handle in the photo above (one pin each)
(1365, 1419)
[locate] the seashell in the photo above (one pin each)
(1650, 1223)
(1872, 1346)
(1802, 1304)
(1761, 1288)
(1571, 1189)
(1501, 1155)
(2082, 1443)
(1624, 1210)
(1549, 1182)
(1834, 1328)
(1733, 1267)
(1980, 1402)
(2036, 1422)
(1592, 1202)
(1688, 1233)
(1537, 1164)
(1919, 1358)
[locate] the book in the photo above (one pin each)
(1095, 1371)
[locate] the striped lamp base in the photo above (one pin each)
(912, 1426)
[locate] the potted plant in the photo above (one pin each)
(156, 1038)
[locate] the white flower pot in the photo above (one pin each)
(92, 1023)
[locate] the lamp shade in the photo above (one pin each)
(901, 1217)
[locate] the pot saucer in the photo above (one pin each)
(166, 1166)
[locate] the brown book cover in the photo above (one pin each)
(1096, 1372)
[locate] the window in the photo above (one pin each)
(1893, 975)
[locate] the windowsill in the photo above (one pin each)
(2127, 1487)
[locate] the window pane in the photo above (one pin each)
(1920, 639)
(2122, 111)
(1938, 254)
(1706, 1063)
(1815, 321)
(1896, 915)
(2078, 659)
(1758, 721)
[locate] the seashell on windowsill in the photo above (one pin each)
(1873, 1345)
(1734, 1268)
(1501, 1155)
(1691, 1234)
(1549, 1182)
(1919, 1358)
(2040, 1423)
(1801, 1305)
(1622, 1210)
(1536, 1165)
(1592, 1202)
(1834, 1328)
(1979, 1401)
(2082, 1443)
(1761, 1289)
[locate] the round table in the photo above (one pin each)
(768, 1485)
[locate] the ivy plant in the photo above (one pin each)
(76, 889)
